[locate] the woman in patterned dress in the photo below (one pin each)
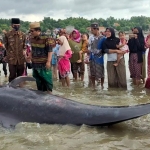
(147, 84)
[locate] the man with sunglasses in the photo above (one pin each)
(14, 41)
(41, 56)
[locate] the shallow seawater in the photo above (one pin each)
(133, 134)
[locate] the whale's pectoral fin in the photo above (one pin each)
(8, 121)
(19, 80)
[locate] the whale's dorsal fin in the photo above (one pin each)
(19, 80)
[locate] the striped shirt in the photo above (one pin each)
(40, 45)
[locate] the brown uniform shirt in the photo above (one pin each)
(15, 44)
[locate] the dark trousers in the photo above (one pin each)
(59, 75)
(5, 68)
(15, 71)
(72, 70)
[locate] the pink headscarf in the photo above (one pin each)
(78, 37)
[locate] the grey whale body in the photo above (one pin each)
(24, 105)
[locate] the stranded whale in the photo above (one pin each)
(24, 105)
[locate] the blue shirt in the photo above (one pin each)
(96, 50)
(55, 54)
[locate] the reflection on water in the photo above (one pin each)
(133, 134)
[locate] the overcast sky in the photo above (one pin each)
(36, 10)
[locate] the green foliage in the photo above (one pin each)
(81, 23)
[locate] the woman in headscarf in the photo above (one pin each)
(136, 49)
(116, 74)
(143, 74)
(76, 44)
(147, 84)
(65, 54)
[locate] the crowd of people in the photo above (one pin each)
(55, 58)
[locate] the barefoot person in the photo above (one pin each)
(41, 56)
(116, 75)
(14, 41)
(75, 43)
(65, 54)
(96, 55)
(136, 49)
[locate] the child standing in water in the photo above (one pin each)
(122, 46)
(64, 63)
(27, 65)
(54, 61)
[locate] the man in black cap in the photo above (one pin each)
(15, 49)
(95, 29)
(96, 59)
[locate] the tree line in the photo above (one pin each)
(81, 23)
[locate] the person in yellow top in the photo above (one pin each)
(84, 48)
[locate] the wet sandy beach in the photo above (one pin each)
(132, 135)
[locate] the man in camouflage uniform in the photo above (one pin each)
(14, 41)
